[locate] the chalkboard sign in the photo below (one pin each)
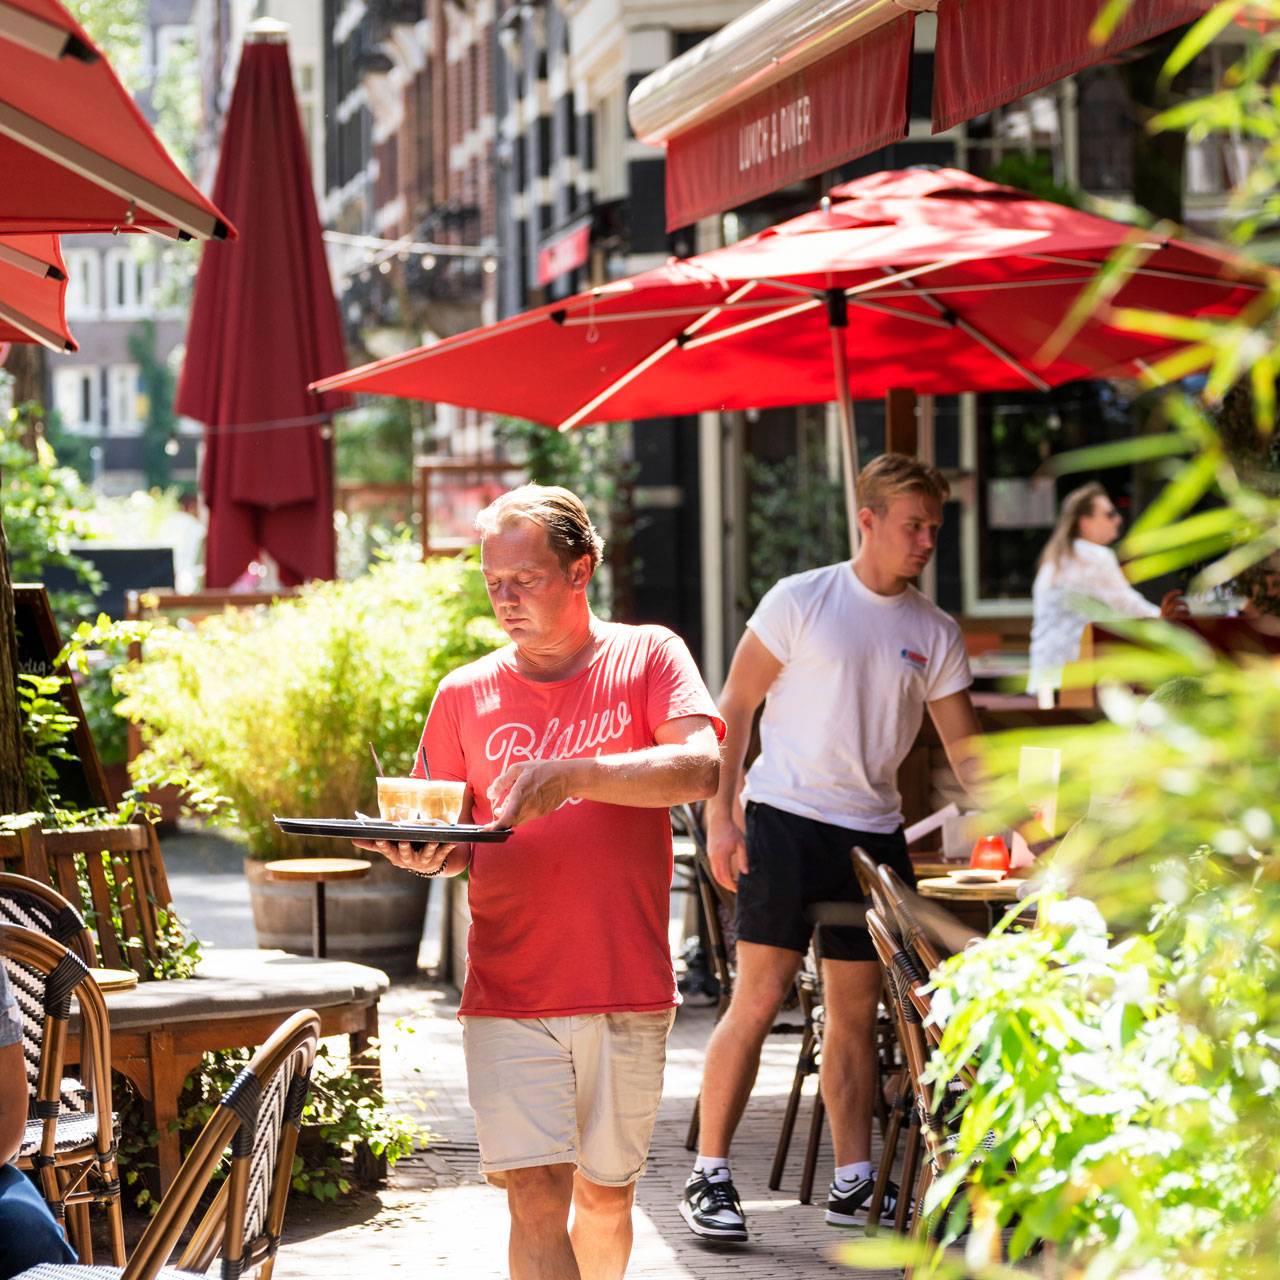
(123, 569)
(81, 783)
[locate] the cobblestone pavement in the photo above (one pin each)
(436, 1217)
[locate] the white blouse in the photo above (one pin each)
(1091, 572)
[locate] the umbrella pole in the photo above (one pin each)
(838, 318)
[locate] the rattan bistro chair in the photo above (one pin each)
(930, 931)
(32, 905)
(258, 1118)
(906, 979)
(901, 1119)
(71, 1149)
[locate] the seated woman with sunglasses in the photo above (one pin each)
(1078, 567)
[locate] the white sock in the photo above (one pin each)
(848, 1174)
(713, 1165)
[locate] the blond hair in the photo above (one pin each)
(893, 474)
(1075, 507)
(557, 510)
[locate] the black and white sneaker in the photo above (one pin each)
(711, 1207)
(847, 1206)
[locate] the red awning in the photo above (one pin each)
(990, 52)
(793, 88)
(847, 104)
(264, 323)
(75, 151)
(33, 287)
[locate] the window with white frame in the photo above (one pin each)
(84, 283)
(611, 145)
(123, 417)
(75, 396)
(130, 282)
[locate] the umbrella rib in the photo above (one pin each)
(45, 336)
(338, 381)
(992, 286)
(1158, 273)
(997, 350)
(40, 36)
(981, 338)
(30, 263)
(938, 322)
(721, 334)
(808, 291)
(852, 293)
(585, 320)
(899, 277)
(671, 344)
(87, 163)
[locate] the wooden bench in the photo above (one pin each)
(162, 1028)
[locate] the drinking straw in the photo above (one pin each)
(422, 760)
(377, 764)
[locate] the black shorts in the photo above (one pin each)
(795, 861)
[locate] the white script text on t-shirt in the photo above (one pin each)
(857, 671)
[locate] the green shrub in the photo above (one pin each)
(270, 711)
(1126, 1052)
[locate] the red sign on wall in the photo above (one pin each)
(564, 251)
(843, 106)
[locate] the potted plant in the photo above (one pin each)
(271, 712)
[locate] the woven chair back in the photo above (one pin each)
(35, 906)
(927, 929)
(45, 977)
(866, 869)
(258, 1118)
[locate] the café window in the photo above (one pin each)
(122, 399)
(84, 283)
(1007, 438)
(129, 283)
(75, 396)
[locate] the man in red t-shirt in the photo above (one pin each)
(579, 735)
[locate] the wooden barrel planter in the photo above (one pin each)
(376, 921)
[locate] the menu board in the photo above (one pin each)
(82, 783)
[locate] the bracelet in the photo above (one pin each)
(427, 875)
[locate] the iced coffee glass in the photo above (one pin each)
(426, 800)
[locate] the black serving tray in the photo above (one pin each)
(417, 832)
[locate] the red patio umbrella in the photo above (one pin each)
(933, 280)
(264, 323)
(75, 151)
(33, 289)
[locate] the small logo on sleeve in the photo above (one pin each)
(917, 660)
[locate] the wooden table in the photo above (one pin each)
(318, 871)
(113, 980)
(992, 896)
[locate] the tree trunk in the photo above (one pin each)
(27, 364)
(13, 783)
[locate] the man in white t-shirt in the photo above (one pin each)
(846, 659)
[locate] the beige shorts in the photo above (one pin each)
(582, 1090)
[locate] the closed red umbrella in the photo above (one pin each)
(933, 280)
(264, 324)
(33, 289)
(75, 151)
